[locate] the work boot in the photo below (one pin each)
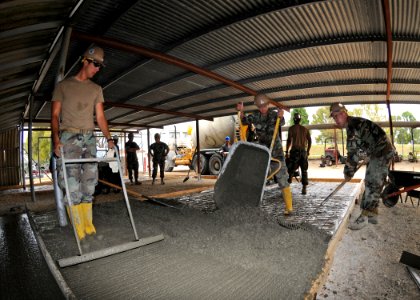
(359, 223)
(373, 216)
(304, 190)
(162, 182)
(153, 181)
(77, 220)
(287, 197)
(86, 212)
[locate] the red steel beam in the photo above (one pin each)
(387, 15)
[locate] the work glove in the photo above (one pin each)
(113, 164)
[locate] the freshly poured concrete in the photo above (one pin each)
(24, 273)
(232, 252)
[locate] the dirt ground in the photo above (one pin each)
(365, 263)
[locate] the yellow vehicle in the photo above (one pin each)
(212, 137)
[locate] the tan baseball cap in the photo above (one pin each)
(96, 53)
(337, 107)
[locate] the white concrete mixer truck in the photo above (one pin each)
(212, 137)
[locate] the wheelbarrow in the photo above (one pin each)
(399, 182)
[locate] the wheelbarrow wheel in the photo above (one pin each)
(389, 201)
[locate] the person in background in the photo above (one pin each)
(363, 134)
(158, 150)
(264, 121)
(132, 161)
(226, 147)
(115, 178)
(76, 100)
(300, 139)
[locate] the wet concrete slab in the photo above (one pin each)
(211, 253)
(24, 272)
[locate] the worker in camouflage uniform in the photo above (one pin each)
(264, 121)
(300, 139)
(363, 134)
(158, 150)
(75, 101)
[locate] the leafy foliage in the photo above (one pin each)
(303, 114)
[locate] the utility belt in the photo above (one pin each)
(76, 130)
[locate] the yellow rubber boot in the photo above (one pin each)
(287, 197)
(77, 220)
(86, 209)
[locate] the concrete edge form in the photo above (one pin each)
(65, 289)
(332, 246)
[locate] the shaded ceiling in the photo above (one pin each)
(300, 53)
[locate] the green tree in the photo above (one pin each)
(303, 114)
(322, 116)
(403, 135)
(41, 146)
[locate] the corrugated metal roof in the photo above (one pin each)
(301, 53)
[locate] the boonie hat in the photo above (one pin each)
(337, 107)
(96, 53)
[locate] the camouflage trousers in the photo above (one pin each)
(298, 158)
(282, 176)
(82, 178)
(376, 173)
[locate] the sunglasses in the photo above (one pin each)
(95, 63)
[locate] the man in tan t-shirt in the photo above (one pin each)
(300, 140)
(76, 100)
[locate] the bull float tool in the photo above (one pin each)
(304, 225)
(85, 257)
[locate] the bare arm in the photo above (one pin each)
(289, 141)
(309, 142)
(55, 126)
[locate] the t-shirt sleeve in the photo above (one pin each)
(58, 93)
(100, 96)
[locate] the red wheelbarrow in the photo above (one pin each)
(399, 182)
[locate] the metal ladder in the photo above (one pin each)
(109, 251)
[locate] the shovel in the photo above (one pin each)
(188, 175)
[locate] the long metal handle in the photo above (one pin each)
(70, 202)
(125, 194)
(340, 186)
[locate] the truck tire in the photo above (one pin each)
(204, 164)
(215, 164)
